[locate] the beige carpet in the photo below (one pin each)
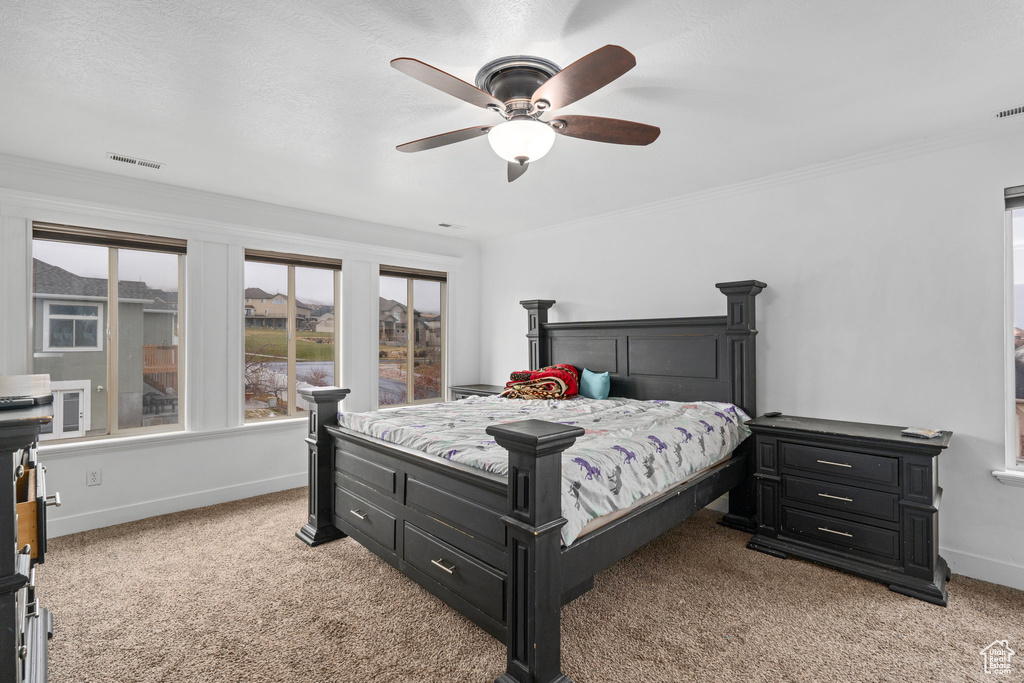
(228, 594)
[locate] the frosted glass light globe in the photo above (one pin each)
(512, 139)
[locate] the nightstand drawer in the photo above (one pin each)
(840, 497)
(847, 465)
(365, 517)
(456, 571)
(883, 543)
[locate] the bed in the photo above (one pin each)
(489, 545)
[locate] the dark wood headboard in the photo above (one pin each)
(677, 359)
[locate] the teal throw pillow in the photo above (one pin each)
(595, 384)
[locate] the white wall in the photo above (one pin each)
(884, 304)
(217, 458)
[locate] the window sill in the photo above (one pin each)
(1010, 477)
(128, 443)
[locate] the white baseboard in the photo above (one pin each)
(983, 568)
(60, 526)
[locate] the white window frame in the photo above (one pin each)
(1012, 473)
(410, 338)
(291, 262)
(114, 241)
(47, 316)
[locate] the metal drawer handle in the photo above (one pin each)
(825, 495)
(838, 533)
(358, 513)
(54, 500)
(837, 464)
(439, 564)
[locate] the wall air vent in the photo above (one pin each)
(1010, 112)
(125, 159)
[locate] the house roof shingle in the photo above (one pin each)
(50, 279)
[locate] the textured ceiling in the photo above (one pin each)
(294, 102)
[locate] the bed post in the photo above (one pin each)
(535, 335)
(533, 599)
(323, 411)
(740, 334)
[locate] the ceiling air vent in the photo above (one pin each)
(124, 159)
(1010, 112)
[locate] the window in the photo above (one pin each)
(411, 355)
(72, 326)
(292, 342)
(107, 328)
(1015, 209)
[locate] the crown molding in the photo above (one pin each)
(198, 227)
(997, 128)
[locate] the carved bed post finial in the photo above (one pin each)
(740, 335)
(533, 599)
(537, 338)
(323, 411)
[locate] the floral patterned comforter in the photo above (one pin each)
(631, 448)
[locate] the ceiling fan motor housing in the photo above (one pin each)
(513, 80)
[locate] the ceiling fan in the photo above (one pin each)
(521, 89)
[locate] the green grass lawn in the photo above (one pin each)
(275, 343)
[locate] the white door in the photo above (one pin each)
(70, 411)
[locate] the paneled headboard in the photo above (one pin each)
(677, 359)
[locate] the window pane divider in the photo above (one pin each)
(113, 341)
(291, 310)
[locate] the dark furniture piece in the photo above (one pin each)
(489, 546)
(463, 390)
(24, 625)
(859, 497)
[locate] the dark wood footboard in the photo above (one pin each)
(488, 545)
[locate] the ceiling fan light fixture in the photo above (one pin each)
(514, 140)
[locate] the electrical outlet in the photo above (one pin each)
(94, 477)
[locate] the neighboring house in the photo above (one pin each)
(71, 314)
(392, 321)
(431, 332)
(263, 309)
(393, 324)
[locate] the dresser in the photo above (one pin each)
(858, 497)
(463, 390)
(25, 626)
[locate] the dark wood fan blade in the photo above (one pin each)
(443, 139)
(584, 76)
(516, 169)
(606, 130)
(445, 82)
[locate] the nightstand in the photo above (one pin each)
(464, 390)
(858, 497)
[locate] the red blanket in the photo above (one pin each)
(555, 381)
